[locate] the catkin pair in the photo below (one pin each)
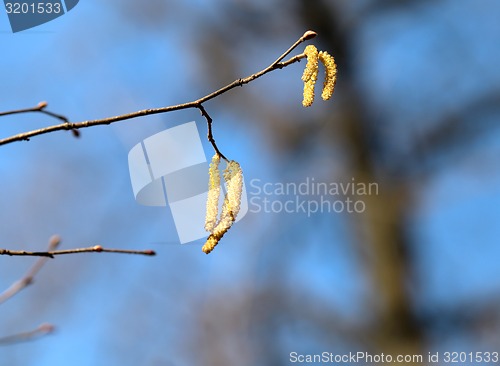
(233, 176)
(310, 74)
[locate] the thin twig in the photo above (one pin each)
(40, 108)
(277, 64)
(27, 279)
(210, 136)
(41, 330)
(94, 249)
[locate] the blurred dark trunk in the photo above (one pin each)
(382, 228)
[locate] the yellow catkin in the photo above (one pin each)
(213, 194)
(312, 62)
(210, 244)
(233, 176)
(214, 238)
(234, 183)
(224, 224)
(310, 75)
(330, 74)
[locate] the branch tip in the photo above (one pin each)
(46, 328)
(42, 105)
(54, 241)
(41, 330)
(310, 34)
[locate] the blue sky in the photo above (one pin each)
(101, 60)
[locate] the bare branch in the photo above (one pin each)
(27, 279)
(40, 107)
(41, 330)
(277, 64)
(94, 249)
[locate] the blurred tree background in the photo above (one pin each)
(415, 111)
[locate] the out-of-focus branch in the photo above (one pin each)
(27, 279)
(448, 137)
(277, 64)
(41, 330)
(54, 242)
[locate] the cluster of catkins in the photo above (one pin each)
(233, 176)
(310, 74)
